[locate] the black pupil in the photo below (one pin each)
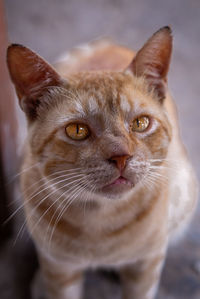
(77, 129)
(138, 122)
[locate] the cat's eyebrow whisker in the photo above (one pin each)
(32, 195)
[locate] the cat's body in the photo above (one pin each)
(117, 197)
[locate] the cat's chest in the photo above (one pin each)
(106, 241)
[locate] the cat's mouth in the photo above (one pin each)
(121, 184)
(120, 181)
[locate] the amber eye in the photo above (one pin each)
(140, 124)
(77, 131)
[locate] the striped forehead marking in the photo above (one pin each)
(92, 105)
(125, 104)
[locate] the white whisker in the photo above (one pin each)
(86, 198)
(22, 171)
(73, 188)
(33, 194)
(74, 196)
(30, 187)
(40, 202)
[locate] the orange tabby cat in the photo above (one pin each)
(107, 180)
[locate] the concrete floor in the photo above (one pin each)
(51, 27)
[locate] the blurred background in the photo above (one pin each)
(51, 28)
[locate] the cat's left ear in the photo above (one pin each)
(152, 61)
(31, 75)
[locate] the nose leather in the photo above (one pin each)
(120, 161)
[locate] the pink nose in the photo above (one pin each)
(120, 161)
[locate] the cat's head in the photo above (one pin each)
(96, 132)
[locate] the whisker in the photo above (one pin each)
(40, 202)
(169, 163)
(74, 196)
(155, 178)
(66, 185)
(158, 175)
(149, 183)
(30, 187)
(165, 167)
(33, 194)
(86, 198)
(19, 173)
(71, 188)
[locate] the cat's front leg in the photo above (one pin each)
(140, 280)
(60, 280)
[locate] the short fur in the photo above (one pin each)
(76, 215)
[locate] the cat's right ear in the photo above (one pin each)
(31, 76)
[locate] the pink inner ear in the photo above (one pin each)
(31, 76)
(153, 59)
(29, 72)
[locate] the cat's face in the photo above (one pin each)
(103, 133)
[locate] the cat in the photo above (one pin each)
(106, 180)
